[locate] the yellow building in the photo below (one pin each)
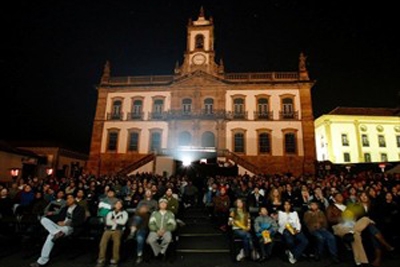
(358, 135)
(263, 122)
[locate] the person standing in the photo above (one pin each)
(71, 217)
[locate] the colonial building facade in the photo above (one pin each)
(358, 135)
(263, 122)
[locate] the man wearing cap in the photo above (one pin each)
(161, 225)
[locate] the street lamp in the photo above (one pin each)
(14, 173)
(382, 166)
(49, 171)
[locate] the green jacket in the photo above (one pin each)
(158, 221)
(173, 204)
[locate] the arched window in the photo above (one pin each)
(208, 139)
(208, 105)
(158, 106)
(185, 139)
(186, 105)
(199, 41)
(238, 142)
(290, 143)
(262, 106)
(112, 141)
(238, 107)
(264, 143)
(155, 142)
(287, 108)
(137, 107)
(133, 142)
(116, 112)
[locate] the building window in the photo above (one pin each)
(398, 140)
(364, 140)
(264, 143)
(287, 108)
(208, 106)
(384, 157)
(133, 141)
(238, 139)
(290, 143)
(155, 142)
(381, 141)
(262, 106)
(116, 112)
(158, 106)
(208, 139)
(238, 107)
(136, 112)
(112, 141)
(345, 140)
(199, 41)
(186, 105)
(367, 157)
(185, 139)
(137, 107)
(346, 157)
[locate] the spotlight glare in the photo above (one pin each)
(186, 162)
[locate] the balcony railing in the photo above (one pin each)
(234, 115)
(202, 114)
(115, 116)
(260, 77)
(134, 116)
(266, 116)
(157, 116)
(294, 115)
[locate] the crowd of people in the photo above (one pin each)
(307, 214)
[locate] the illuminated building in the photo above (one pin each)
(263, 122)
(358, 135)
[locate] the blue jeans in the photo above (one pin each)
(247, 240)
(296, 243)
(141, 235)
(372, 231)
(323, 237)
(265, 249)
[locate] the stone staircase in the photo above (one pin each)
(199, 236)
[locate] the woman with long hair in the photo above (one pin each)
(240, 220)
(290, 228)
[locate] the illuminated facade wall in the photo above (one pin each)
(263, 119)
(357, 138)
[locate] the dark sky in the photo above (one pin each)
(53, 53)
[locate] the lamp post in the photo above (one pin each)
(382, 166)
(14, 173)
(49, 171)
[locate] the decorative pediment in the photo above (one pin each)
(198, 78)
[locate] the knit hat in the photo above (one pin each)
(163, 200)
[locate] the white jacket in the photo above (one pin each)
(285, 218)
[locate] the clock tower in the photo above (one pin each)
(200, 54)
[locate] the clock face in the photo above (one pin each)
(199, 59)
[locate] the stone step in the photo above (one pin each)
(203, 243)
(200, 228)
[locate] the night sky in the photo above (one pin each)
(53, 53)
